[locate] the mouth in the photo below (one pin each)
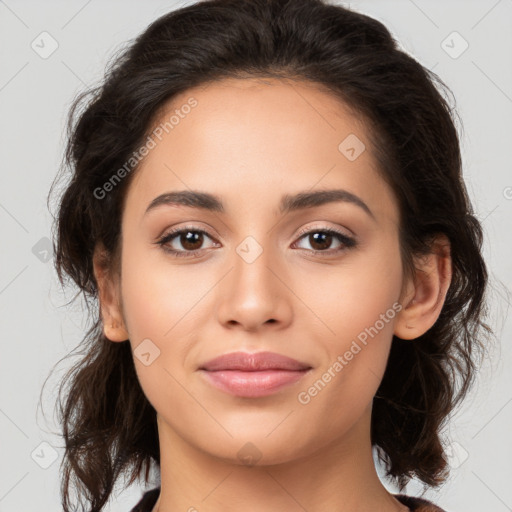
(253, 375)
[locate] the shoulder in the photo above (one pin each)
(418, 504)
(148, 501)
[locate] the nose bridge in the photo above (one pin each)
(253, 260)
(256, 251)
(252, 294)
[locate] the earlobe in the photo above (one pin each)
(114, 331)
(108, 296)
(426, 293)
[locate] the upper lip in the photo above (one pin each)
(253, 362)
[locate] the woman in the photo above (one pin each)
(267, 206)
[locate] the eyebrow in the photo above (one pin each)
(289, 203)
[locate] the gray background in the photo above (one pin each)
(38, 329)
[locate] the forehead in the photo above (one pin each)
(254, 137)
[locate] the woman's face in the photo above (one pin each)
(247, 277)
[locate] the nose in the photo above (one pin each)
(254, 294)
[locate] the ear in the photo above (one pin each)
(425, 292)
(109, 296)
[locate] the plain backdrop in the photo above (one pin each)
(50, 51)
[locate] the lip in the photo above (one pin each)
(257, 361)
(253, 375)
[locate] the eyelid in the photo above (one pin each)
(173, 232)
(323, 227)
(190, 226)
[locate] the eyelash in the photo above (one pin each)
(347, 242)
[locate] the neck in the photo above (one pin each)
(339, 477)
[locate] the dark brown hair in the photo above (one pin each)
(109, 427)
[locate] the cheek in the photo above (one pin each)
(352, 297)
(161, 304)
(158, 305)
(159, 297)
(342, 390)
(359, 305)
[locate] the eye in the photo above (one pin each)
(190, 238)
(320, 239)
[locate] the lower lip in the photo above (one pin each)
(253, 384)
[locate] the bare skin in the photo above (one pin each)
(250, 142)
